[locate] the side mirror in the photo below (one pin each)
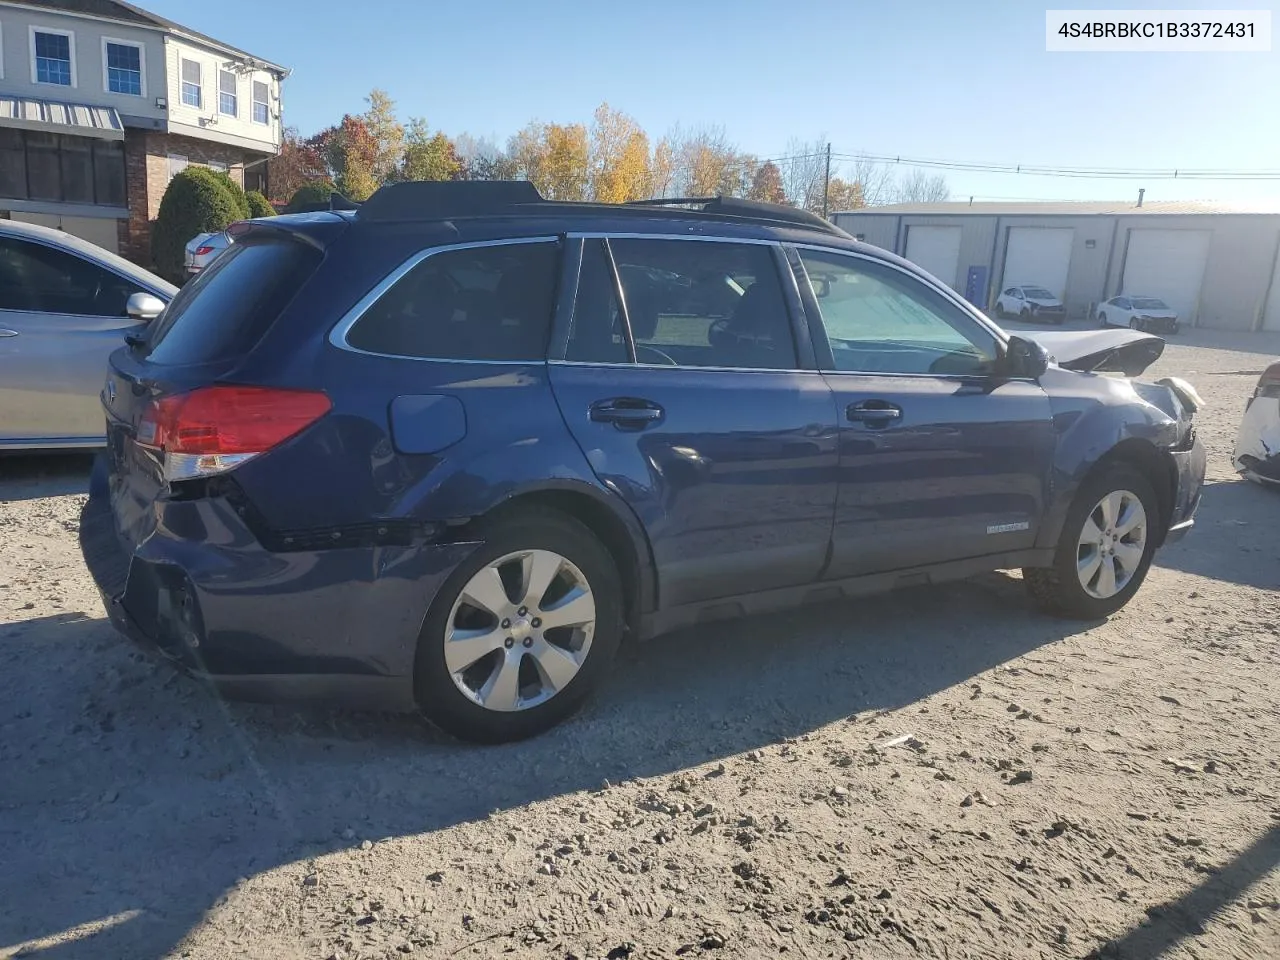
(144, 306)
(1024, 358)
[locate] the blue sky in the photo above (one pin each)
(962, 81)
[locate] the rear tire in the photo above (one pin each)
(1075, 586)
(543, 674)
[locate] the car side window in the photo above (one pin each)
(705, 304)
(597, 334)
(489, 302)
(1121, 302)
(35, 278)
(882, 320)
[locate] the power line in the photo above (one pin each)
(1073, 172)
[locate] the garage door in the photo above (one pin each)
(937, 250)
(1168, 264)
(1039, 256)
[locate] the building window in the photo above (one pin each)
(217, 166)
(227, 93)
(51, 166)
(177, 163)
(191, 84)
(123, 63)
(261, 102)
(51, 52)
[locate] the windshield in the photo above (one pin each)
(1149, 303)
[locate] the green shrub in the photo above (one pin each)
(236, 191)
(197, 201)
(315, 192)
(259, 206)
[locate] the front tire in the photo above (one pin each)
(520, 633)
(1136, 324)
(1105, 549)
(1102, 320)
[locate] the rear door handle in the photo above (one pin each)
(874, 413)
(627, 413)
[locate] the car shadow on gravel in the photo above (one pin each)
(1224, 545)
(32, 477)
(135, 800)
(1172, 922)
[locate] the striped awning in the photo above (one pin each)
(53, 116)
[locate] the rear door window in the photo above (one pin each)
(704, 304)
(487, 302)
(225, 310)
(35, 278)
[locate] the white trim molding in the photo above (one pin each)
(142, 65)
(71, 53)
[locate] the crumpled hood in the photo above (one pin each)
(1101, 351)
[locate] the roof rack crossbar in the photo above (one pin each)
(669, 201)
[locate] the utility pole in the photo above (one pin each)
(826, 184)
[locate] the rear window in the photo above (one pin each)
(225, 310)
(490, 302)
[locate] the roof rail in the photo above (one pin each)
(453, 199)
(443, 199)
(748, 209)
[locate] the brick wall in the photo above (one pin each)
(146, 159)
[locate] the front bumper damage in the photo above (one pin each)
(1257, 453)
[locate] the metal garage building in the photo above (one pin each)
(1218, 266)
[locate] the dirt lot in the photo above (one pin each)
(940, 773)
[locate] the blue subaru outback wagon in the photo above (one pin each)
(444, 451)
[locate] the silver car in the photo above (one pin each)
(202, 249)
(65, 305)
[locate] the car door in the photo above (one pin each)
(680, 380)
(940, 459)
(60, 318)
(1009, 300)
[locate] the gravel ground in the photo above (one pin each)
(936, 773)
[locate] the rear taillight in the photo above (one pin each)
(202, 251)
(213, 429)
(1269, 382)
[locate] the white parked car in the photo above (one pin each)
(1030, 302)
(1148, 314)
(202, 249)
(1257, 454)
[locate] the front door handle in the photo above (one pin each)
(8, 333)
(626, 413)
(874, 413)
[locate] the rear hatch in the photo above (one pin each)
(173, 410)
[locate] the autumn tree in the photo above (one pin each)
(804, 173)
(662, 169)
(298, 163)
(386, 134)
(619, 157)
(428, 156)
(555, 157)
(766, 185)
(350, 155)
(482, 159)
(844, 195)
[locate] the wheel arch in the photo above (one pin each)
(1154, 464)
(609, 520)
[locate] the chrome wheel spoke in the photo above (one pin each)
(486, 591)
(1106, 585)
(1130, 517)
(538, 569)
(556, 666)
(464, 648)
(578, 607)
(1088, 566)
(1110, 506)
(1129, 555)
(1091, 533)
(502, 690)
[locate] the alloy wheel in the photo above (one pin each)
(1111, 545)
(520, 630)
